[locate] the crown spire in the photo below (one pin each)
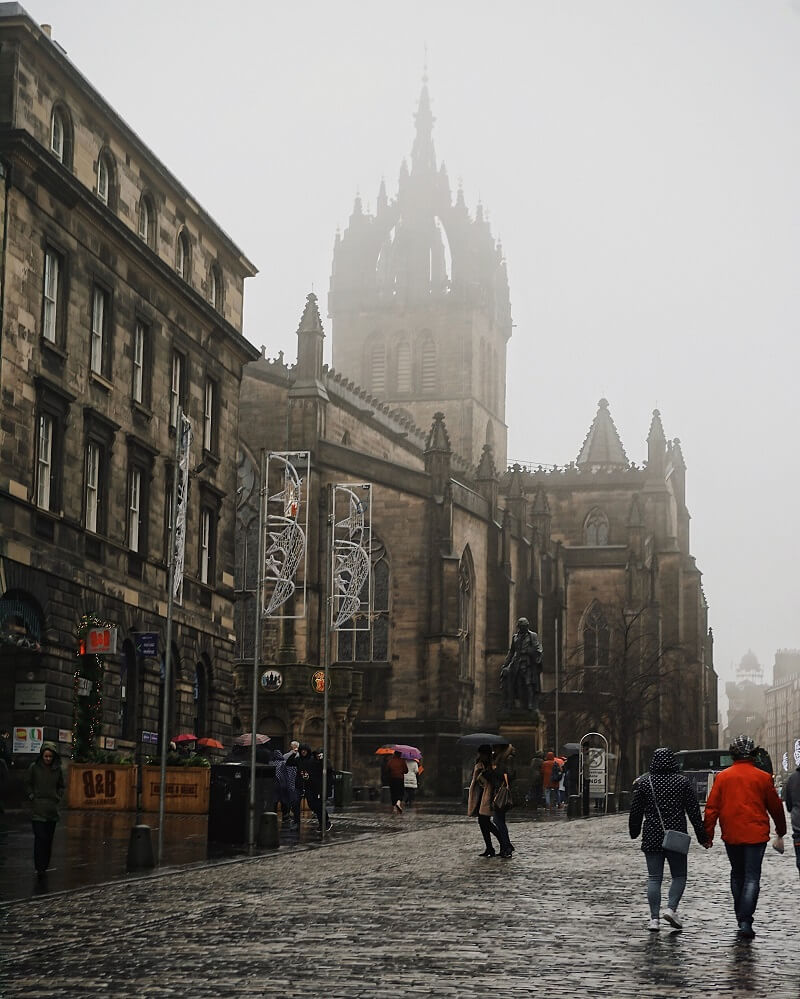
(423, 155)
(602, 447)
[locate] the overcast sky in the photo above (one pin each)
(640, 162)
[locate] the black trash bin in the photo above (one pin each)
(229, 800)
(342, 789)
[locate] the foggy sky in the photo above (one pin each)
(639, 160)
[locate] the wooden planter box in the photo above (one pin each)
(186, 789)
(106, 786)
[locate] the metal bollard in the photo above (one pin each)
(611, 803)
(574, 806)
(624, 801)
(140, 849)
(267, 836)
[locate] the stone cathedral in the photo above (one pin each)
(596, 553)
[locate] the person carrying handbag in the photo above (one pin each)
(501, 798)
(662, 799)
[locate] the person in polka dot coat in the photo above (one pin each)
(676, 799)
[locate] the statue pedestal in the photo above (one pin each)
(525, 731)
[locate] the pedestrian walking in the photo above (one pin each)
(5, 764)
(479, 800)
(550, 784)
(309, 771)
(44, 783)
(791, 797)
(535, 792)
(396, 772)
(503, 774)
(742, 799)
(410, 781)
(662, 798)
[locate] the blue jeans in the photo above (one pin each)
(499, 817)
(745, 861)
(655, 875)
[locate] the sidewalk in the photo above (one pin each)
(92, 847)
(407, 908)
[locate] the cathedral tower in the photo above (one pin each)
(419, 303)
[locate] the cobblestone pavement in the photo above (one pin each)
(407, 908)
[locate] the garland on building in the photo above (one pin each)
(87, 710)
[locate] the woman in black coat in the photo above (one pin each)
(667, 790)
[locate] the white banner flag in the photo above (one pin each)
(180, 513)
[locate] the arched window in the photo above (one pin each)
(428, 366)
(128, 691)
(182, 257)
(106, 179)
(372, 645)
(147, 220)
(595, 530)
(200, 694)
(466, 616)
(595, 637)
(403, 368)
(377, 370)
(61, 136)
(215, 287)
(168, 703)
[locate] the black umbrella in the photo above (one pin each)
(570, 748)
(483, 739)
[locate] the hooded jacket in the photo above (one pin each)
(676, 799)
(791, 796)
(743, 798)
(45, 785)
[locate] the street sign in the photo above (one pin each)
(597, 773)
(101, 641)
(146, 644)
(30, 697)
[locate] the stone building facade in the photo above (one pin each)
(121, 303)
(596, 554)
(782, 708)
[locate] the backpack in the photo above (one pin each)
(556, 773)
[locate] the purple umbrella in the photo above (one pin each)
(408, 752)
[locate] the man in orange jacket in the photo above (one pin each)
(743, 798)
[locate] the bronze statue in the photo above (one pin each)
(521, 672)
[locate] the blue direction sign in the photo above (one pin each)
(146, 644)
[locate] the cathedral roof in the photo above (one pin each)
(602, 447)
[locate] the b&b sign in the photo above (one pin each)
(101, 641)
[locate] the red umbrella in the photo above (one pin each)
(247, 737)
(210, 743)
(186, 737)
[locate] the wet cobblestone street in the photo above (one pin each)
(405, 907)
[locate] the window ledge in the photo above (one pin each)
(211, 458)
(52, 347)
(139, 409)
(96, 378)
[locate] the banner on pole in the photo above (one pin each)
(351, 566)
(286, 488)
(180, 513)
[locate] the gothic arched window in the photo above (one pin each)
(595, 637)
(595, 529)
(466, 616)
(373, 645)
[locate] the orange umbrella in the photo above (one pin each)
(384, 751)
(210, 743)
